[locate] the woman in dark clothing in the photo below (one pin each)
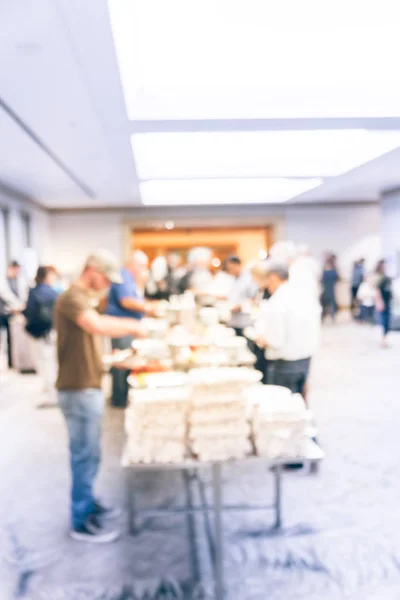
(384, 299)
(329, 280)
(39, 324)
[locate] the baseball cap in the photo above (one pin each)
(105, 262)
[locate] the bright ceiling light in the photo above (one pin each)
(169, 225)
(223, 191)
(323, 61)
(318, 153)
(216, 262)
(263, 254)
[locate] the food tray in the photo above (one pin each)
(160, 380)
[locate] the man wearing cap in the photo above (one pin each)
(79, 327)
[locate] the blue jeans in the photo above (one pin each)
(83, 411)
(385, 320)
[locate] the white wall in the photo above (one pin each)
(391, 231)
(350, 231)
(3, 259)
(75, 235)
(40, 231)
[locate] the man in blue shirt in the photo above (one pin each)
(126, 300)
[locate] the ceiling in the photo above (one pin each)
(178, 101)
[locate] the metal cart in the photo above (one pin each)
(190, 470)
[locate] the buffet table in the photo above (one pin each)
(191, 474)
(201, 408)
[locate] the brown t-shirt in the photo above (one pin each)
(79, 354)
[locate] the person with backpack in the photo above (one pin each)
(39, 326)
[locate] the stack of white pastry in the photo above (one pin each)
(218, 424)
(280, 423)
(156, 425)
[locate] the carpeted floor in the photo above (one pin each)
(342, 527)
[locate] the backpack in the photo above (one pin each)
(40, 320)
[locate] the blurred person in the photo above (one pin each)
(242, 290)
(384, 297)
(223, 282)
(155, 287)
(366, 296)
(10, 303)
(174, 273)
(126, 299)
(164, 277)
(13, 274)
(329, 280)
(357, 277)
(79, 386)
(288, 329)
(198, 277)
(39, 326)
(259, 273)
(304, 270)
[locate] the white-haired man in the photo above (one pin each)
(304, 270)
(288, 328)
(126, 300)
(79, 381)
(198, 278)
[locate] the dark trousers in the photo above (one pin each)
(120, 387)
(329, 306)
(5, 324)
(261, 363)
(239, 331)
(291, 374)
(354, 292)
(385, 320)
(367, 313)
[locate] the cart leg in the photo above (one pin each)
(278, 496)
(206, 517)
(131, 501)
(218, 566)
(191, 525)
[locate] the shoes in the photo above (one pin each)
(92, 531)
(106, 513)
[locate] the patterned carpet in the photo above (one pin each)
(341, 536)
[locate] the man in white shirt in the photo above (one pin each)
(288, 328)
(304, 270)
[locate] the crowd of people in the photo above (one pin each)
(289, 293)
(371, 293)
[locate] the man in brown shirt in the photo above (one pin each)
(81, 399)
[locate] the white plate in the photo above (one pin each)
(116, 357)
(148, 345)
